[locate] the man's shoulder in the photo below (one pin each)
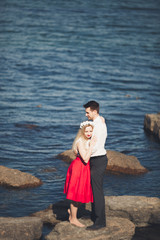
(100, 123)
(102, 119)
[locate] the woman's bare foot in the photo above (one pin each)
(76, 223)
(69, 212)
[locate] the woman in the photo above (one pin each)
(78, 181)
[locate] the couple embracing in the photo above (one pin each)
(84, 179)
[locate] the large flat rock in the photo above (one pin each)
(116, 229)
(117, 162)
(22, 228)
(17, 179)
(141, 210)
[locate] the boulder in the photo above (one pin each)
(122, 163)
(67, 156)
(117, 162)
(17, 179)
(25, 228)
(152, 124)
(117, 229)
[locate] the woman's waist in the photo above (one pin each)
(79, 158)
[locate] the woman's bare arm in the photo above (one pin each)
(86, 154)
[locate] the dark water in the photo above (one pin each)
(60, 54)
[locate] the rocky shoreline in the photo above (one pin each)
(124, 214)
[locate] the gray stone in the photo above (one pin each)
(22, 228)
(17, 179)
(152, 124)
(117, 162)
(141, 210)
(117, 229)
(55, 213)
(122, 163)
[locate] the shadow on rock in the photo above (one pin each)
(60, 210)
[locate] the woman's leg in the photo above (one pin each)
(73, 214)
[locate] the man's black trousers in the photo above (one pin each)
(98, 166)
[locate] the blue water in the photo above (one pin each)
(59, 55)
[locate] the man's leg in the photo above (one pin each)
(98, 166)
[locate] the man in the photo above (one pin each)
(98, 163)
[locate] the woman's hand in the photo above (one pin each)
(93, 141)
(91, 145)
(86, 154)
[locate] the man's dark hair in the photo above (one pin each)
(93, 105)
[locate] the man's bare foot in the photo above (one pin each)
(69, 212)
(76, 223)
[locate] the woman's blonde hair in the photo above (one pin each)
(80, 134)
